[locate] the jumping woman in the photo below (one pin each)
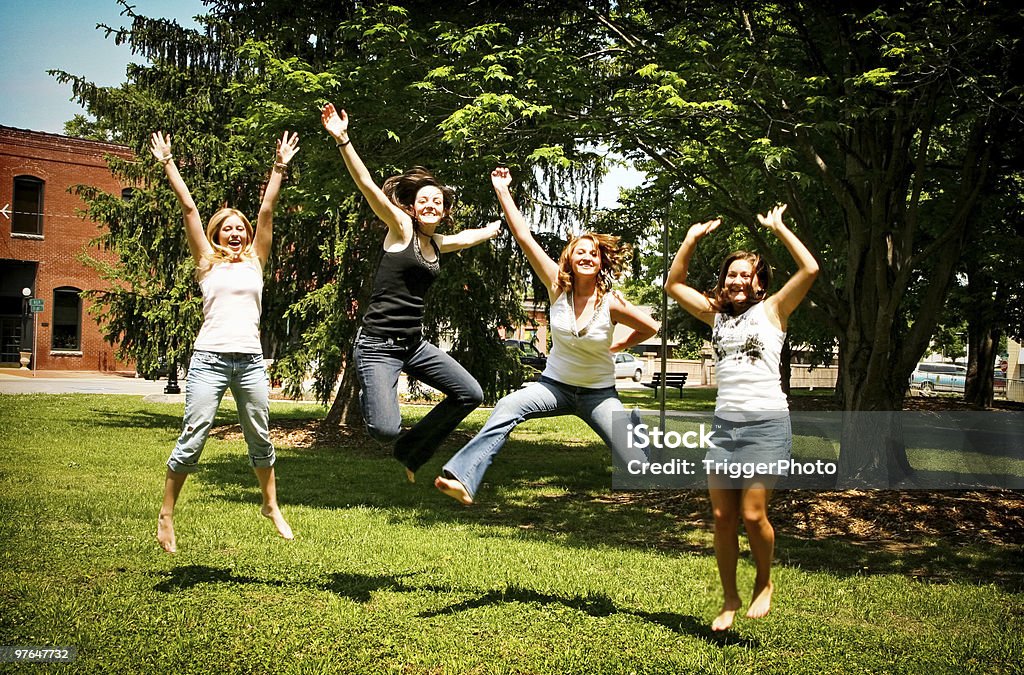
(230, 261)
(580, 375)
(748, 328)
(412, 205)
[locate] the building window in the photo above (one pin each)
(127, 194)
(28, 206)
(67, 319)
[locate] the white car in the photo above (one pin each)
(627, 365)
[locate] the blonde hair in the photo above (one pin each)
(223, 253)
(615, 255)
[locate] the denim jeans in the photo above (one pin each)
(379, 361)
(545, 398)
(209, 376)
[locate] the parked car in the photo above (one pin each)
(529, 356)
(935, 377)
(627, 365)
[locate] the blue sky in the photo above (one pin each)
(41, 35)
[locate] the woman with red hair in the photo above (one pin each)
(580, 375)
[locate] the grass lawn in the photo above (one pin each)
(550, 572)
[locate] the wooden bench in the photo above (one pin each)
(677, 380)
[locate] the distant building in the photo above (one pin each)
(41, 236)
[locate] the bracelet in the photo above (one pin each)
(343, 143)
(281, 165)
(164, 160)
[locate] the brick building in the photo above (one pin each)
(41, 236)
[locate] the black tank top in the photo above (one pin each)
(403, 279)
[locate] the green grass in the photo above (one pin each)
(548, 573)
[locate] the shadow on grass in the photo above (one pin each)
(598, 605)
(189, 576)
(560, 494)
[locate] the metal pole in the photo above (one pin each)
(35, 331)
(664, 318)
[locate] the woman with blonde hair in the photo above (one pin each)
(230, 259)
(751, 425)
(580, 375)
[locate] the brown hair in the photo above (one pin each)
(615, 256)
(402, 190)
(762, 271)
(222, 253)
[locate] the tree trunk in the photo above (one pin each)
(345, 410)
(982, 342)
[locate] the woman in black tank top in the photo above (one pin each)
(412, 205)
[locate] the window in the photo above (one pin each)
(67, 319)
(127, 194)
(28, 206)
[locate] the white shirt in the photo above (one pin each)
(232, 304)
(579, 354)
(748, 349)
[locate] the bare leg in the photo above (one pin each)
(453, 489)
(762, 546)
(725, 504)
(270, 510)
(165, 521)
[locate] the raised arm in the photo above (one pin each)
(688, 297)
(160, 146)
(287, 146)
(398, 221)
(643, 325)
(793, 292)
(542, 264)
(448, 243)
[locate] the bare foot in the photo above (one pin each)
(274, 514)
(410, 476)
(453, 489)
(761, 602)
(165, 533)
(725, 617)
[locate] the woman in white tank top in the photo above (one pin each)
(230, 258)
(580, 375)
(751, 412)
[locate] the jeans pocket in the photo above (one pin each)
(203, 358)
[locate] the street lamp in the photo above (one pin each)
(25, 355)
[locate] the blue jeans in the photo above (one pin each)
(209, 376)
(545, 398)
(379, 361)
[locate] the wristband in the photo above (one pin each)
(344, 143)
(164, 160)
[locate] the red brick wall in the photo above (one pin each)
(61, 162)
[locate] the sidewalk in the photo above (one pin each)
(14, 381)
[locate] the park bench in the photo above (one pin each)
(671, 379)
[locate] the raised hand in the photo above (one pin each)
(287, 146)
(773, 219)
(493, 228)
(701, 230)
(160, 146)
(501, 177)
(335, 124)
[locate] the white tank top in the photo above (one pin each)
(232, 304)
(579, 354)
(748, 349)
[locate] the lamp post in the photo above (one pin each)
(172, 371)
(24, 356)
